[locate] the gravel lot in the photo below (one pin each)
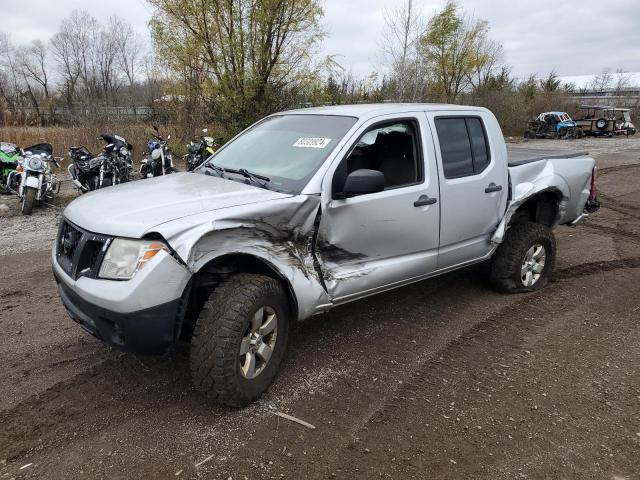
(441, 379)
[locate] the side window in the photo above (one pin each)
(463, 145)
(479, 146)
(391, 148)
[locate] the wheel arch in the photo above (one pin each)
(207, 278)
(542, 207)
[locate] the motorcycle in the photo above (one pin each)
(33, 175)
(159, 160)
(199, 150)
(91, 172)
(9, 156)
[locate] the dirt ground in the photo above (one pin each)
(441, 379)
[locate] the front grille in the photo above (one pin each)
(78, 251)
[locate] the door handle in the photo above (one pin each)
(424, 200)
(493, 188)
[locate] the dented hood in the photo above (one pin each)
(135, 208)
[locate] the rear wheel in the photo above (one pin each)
(28, 200)
(525, 259)
(240, 339)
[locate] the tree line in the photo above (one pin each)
(230, 62)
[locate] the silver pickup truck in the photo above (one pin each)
(303, 211)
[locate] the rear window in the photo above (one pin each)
(463, 146)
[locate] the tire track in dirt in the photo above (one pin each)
(618, 206)
(616, 232)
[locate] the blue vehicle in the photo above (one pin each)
(553, 125)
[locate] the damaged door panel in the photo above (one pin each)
(370, 242)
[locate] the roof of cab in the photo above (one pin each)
(367, 110)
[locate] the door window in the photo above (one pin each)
(463, 145)
(391, 148)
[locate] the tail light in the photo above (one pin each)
(593, 204)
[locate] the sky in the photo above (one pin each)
(571, 37)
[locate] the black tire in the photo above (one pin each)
(529, 134)
(562, 132)
(106, 182)
(215, 345)
(601, 123)
(28, 200)
(507, 261)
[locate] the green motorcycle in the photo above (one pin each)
(9, 155)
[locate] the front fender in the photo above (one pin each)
(280, 233)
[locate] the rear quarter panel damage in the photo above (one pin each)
(568, 177)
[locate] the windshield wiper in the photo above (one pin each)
(259, 179)
(219, 170)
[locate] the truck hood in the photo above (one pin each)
(135, 208)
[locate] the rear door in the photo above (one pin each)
(473, 183)
(380, 240)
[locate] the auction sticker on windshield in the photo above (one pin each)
(312, 142)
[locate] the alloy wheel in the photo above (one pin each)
(258, 342)
(533, 265)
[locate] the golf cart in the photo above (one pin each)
(553, 125)
(606, 121)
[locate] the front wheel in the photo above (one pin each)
(28, 200)
(525, 260)
(240, 339)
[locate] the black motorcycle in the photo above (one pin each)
(158, 160)
(91, 172)
(199, 150)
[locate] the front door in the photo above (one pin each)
(380, 240)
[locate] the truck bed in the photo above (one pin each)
(521, 155)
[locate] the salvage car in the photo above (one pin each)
(304, 211)
(553, 125)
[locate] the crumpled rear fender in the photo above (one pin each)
(532, 179)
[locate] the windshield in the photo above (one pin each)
(286, 148)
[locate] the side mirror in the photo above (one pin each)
(168, 137)
(363, 181)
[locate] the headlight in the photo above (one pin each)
(156, 154)
(124, 151)
(125, 257)
(34, 163)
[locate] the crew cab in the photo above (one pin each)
(303, 211)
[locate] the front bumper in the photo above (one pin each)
(141, 315)
(150, 331)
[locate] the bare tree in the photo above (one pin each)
(486, 59)
(68, 68)
(400, 48)
(129, 48)
(601, 82)
(33, 62)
